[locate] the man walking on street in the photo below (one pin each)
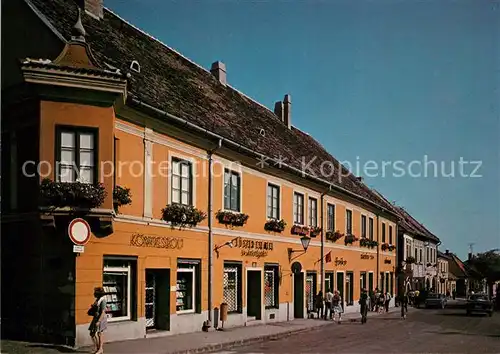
(404, 305)
(363, 302)
(328, 304)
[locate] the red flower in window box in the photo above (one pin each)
(350, 239)
(384, 246)
(334, 236)
(299, 230)
(231, 218)
(315, 231)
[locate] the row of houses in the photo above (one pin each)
(193, 191)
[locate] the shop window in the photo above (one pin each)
(188, 286)
(273, 201)
(118, 284)
(232, 287)
(331, 217)
(313, 212)
(76, 155)
(271, 286)
(298, 208)
(182, 182)
(232, 191)
(363, 226)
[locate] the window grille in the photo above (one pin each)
(231, 288)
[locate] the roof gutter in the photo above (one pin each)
(253, 152)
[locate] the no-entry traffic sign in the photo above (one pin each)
(79, 231)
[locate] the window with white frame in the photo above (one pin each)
(187, 286)
(232, 190)
(348, 217)
(182, 182)
(273, 201)
(363, 226)
(271, 286)
(330, 217)
(298, 208)
(370, 228)
(117, 284)
(313, 212)
(76, 155)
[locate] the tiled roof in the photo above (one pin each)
(174, 84)
(412, 226)
(444, 255)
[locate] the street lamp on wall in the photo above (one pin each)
(304, 240)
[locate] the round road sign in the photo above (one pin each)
(79, 231)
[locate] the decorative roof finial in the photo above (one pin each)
(78, 32)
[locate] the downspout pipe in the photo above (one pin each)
(241, 147)
(208, 324)
(323, 242)
(378, 253)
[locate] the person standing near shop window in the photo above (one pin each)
(99, 321)
(337, 306)
(319, 304)
(328, 304)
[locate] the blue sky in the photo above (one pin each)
(372, 81)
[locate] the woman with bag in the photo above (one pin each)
(99, 321)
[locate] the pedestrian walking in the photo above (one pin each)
(404, 305)
(337, 306)
(99, 319)
(387, 301)
(319, 304)
(328, 304)
(363, 306)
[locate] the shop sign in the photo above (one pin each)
(340, 261)
(140, 240)
(367, 256)
(387, 261)
(251, 248)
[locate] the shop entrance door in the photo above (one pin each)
(254, 291)
(157, 299)
(349, 289)
(340, 287)
(298, 295)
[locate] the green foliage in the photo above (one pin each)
(231, 218)
(122, 196)
(74, 195)
(275, 225)
(182, 215)
(488, 264)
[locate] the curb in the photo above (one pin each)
(247, 341)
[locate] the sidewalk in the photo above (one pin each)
(198, 342)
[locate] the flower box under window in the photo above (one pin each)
(349, 239)
(231, 218)
(384, 246)
(275, 225)
(71, 194)
(333, 236)
(315, 231)
(121, 196)
(179, 215)
(299, 230)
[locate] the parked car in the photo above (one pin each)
(479, 303)
(435, 300)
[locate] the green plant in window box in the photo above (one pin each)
(121, 196)
(333, 236)
(349, 239)
(179, 215)
(391, 248)
(364, 242)
(315, 231)
(73, 195)
(384, 247)
(275, 225)
(373, 244)
(231, 218)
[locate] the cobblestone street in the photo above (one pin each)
(436, 331)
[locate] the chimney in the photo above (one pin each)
(278, 110)
(287, 111)
(469, 256)
(447, 252)
(93, 8)
(359, 178)
(219, 71)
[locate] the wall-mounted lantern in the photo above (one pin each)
(305, 240)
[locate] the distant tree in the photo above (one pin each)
(488, 264)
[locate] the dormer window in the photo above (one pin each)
(135, 66)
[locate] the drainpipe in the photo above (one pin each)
(323, 242)
(208, 324)
(378, 253)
